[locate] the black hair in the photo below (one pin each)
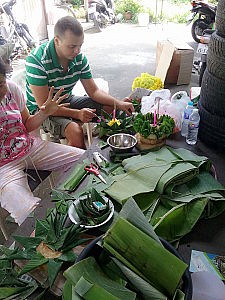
(2, 67)
(68, 23)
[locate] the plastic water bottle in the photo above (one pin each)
(193, 126)
(187, 112)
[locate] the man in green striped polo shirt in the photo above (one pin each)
(60, 63)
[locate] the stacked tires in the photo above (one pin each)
(212, 98)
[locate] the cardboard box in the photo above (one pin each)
(174, 60)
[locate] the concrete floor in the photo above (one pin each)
(119, 54)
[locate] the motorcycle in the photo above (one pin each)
(206, 18)
(202, 50)
(101, 12)
(14, 32)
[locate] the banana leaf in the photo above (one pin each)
(202, 162)
(92, 291)
(90, 270)
(145, 200)
(10, 291)
(179, 220)
(138, 181)
(132, 213)
(202, 183)
(155, 172)
(179, 295)
(143, 288)
(53, 270)
(35, 262)
(179, 173)
(68, 292)
(154, 263)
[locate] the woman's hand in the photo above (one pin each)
(52, 104)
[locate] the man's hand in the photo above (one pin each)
(86, 114)
(52, 104)
(126, 106)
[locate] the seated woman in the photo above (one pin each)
(20, 150)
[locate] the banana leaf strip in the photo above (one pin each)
(53, 270)
(154, 263)
(75, 177)
(90, 270)
(69, 293)
(132, 213)
(11, 291)
(143, 288)
(179, 295)
(92, 291)
(36, 261)
(179, 220)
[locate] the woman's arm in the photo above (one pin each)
(48, 108)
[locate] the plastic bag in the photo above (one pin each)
(164, 104)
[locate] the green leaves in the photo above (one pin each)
(126, 124)
(144, 124)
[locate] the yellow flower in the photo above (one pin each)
(147, 81)
(113, 121)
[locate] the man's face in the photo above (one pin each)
(3, 87)
(69, 45)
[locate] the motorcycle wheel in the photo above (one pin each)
(97, 23)
(201, 72)
(26, 36)
(197, 29)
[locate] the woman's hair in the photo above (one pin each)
(68, 23)
(2, 67)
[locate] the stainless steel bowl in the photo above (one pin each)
(122, 142)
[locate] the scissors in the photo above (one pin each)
(93, 168)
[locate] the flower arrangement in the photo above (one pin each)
(147, 81)
(114, 123)
(151, 127)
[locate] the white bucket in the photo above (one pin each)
(143, 19)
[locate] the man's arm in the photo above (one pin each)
(103, 98)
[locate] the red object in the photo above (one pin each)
(94, 169)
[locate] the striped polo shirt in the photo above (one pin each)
(44, 68)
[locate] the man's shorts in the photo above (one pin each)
(57, 125)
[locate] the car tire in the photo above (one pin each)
(220, 18)
(217, 44)
(211, 128)
(212, 95)
(216, 64)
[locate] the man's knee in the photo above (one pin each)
(74, 135)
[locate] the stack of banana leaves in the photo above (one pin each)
(130, 263)
(173, 187)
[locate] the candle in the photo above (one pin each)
(155, 119)
(114, 111)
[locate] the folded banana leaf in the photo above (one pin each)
(144, 256)
(144, 288)
(174, 223)
(90, 270)
(202, 183)
(142, 176)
